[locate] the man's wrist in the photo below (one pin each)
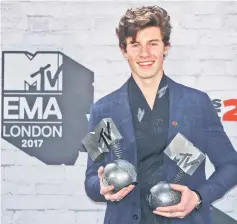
(198, 204)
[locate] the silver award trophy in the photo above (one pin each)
(188, 158)
(107, 138)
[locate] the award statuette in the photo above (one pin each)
(107, 138)
(188, 158)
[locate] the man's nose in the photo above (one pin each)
(144, 51)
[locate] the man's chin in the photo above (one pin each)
(147, 76)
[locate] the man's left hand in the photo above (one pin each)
(189, 199)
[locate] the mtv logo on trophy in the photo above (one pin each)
(106, 137)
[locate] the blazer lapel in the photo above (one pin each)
(175, 124)
(175, 98)
(122, 115)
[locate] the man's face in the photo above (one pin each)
(145, 56)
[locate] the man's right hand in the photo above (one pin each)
(106, 191)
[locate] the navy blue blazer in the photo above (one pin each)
(197, 120)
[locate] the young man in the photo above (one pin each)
(149, 110)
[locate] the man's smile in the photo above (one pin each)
(145, 64)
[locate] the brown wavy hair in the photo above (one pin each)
(137, 19)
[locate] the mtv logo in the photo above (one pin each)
(187, 157)
(33, 72)
(46, 98)
(30, 88)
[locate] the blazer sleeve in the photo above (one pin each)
(221, 153)
(92, 182)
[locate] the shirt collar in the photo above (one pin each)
(161, 89)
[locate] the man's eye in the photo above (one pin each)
(135, 45)
(154, 44)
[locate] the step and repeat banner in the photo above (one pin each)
(45, 99)
(58, 58)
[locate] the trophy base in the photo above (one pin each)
(162, 195)
(120, 174)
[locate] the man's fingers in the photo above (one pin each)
(100, 171)
(178, 187)
(117, 195)
(131, 186)
(122, 193)
(105, 190)
(174, 208)
(108, 196)
(170, 214)
(126, 192)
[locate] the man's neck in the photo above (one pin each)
(149, 86)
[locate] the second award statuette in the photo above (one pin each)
(188, 158)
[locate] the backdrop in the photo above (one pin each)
(58, 58)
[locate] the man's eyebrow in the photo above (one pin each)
(133, 42)
(137, 42)
(154, 40)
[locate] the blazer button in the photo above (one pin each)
(135, 217)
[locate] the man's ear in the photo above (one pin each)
(124, 52)
(166, 49)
